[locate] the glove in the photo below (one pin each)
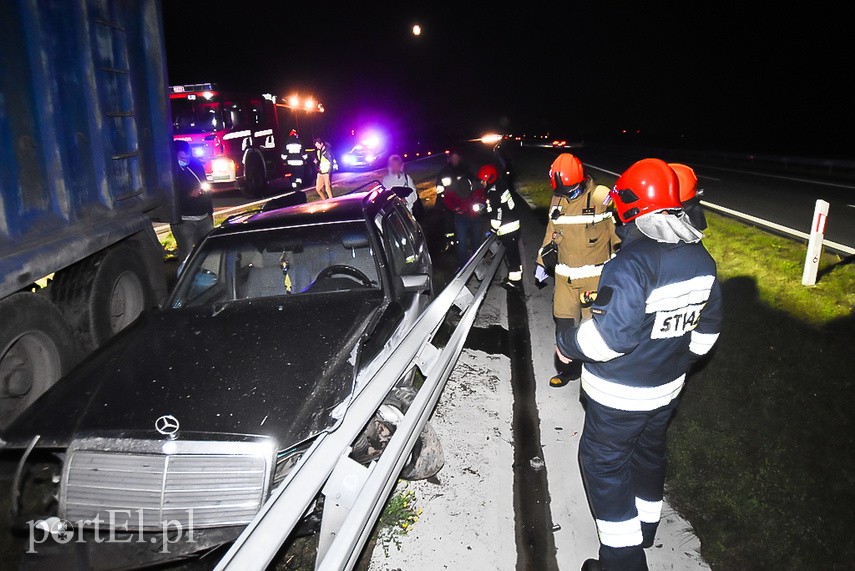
(540, 276)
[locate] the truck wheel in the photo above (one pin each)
(36, 348)
(103, 294)
(254, 180)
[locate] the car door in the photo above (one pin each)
(406, 260)
(418, 240)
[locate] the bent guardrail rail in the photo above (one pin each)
(355, 494)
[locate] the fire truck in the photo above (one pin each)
(235, 136)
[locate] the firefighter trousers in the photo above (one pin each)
(622, 455)
(512, 255)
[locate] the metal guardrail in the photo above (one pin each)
(774, 226)
(768, 224)
(355, 494)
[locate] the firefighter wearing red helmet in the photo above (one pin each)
(658, 311)
(504, 221)
(580, 238)
(690, 196)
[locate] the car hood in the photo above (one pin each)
(265, 367)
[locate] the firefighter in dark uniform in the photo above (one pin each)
(580, 238)
(455, 176)
(504, 221)
(690, 196)
(658, 310)
(296, 159)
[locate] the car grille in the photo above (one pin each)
(199, 490)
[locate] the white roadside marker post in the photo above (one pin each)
(814, 249)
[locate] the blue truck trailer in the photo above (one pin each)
(85, 168)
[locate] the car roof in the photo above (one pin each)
(355, 207)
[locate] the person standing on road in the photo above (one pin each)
(504, 221)
(295, 158)
(580, 238)
(658, 310)
(466, 201)
(325, 162)
(397, 178)
(455, 177)
(690, 196)
(194, 201)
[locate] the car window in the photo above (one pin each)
(405, 260)
(283, 262)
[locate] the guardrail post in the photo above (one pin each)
(340, 491)
(814, 249)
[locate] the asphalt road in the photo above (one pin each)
(778, 197)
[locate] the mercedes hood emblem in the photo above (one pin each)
(167, 425)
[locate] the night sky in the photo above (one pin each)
(715, 75)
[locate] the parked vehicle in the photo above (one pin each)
(85, 168)
(236, 136)
(197, 411)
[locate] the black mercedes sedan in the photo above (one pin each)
(195, 412)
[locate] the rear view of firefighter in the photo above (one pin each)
(295, 158)
(580, 239)
(658, 310)
(690, 196)
(504, 221)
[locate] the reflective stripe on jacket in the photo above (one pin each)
(501, 209)
(657, 310)
(584, 230)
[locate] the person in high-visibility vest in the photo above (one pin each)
(325, 163)
(504, 221)
(580, 239)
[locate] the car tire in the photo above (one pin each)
(36, 348)
(427, 457)
(255, 182)
(103, 294)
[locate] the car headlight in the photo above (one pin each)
(348, 159)
(370, 158)
(285, 462)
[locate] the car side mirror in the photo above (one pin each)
(417, 283)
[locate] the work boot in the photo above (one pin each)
(562, 379)
(592, 565)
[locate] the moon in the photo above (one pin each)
(417, 30)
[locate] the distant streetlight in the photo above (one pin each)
(310, 104)
(417, 30)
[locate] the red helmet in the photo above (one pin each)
(488, 174)
(649, 185)
(688, 181)
(566, 175)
